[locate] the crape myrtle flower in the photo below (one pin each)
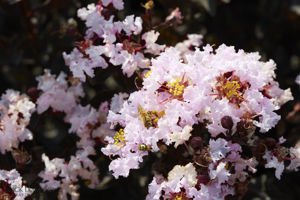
(16, 110)
(14, 181)
(209, 85)
(182, 184)
(119, 43)
(56, 93)
(118, 4)
(215, 181)
(295, 158)
(86, 122)
(232, 93)
(64, 175)
(187, 46)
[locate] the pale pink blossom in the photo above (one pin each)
(273, 162)
(16, 110)
(118, 4)
(14, 180)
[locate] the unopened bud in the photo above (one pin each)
(33, 93)
(196, 142)
(270, 142)
(203, 179)
(227, 122)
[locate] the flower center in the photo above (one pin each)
(229, 86)
(176, 87)
(119, 137)
(230, 89)
(179, 196)
(148, 74)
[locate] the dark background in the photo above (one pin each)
(33, 35)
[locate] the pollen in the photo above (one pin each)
(230, 89)
(229, 86)
(119, 137)
(149, 5)
(148, 74)
(176, 87)
(178, 197)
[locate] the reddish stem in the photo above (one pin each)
(139, 48)
(119, 37)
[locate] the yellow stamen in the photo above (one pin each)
(230, 90)
(178, 197)
(148, 74)
(119, 137)
(176, 87)
(149, 5)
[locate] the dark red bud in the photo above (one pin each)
(227, 122)
(196, 142)
(203, 179)
(33, 93)
(270, 142)
(228, 74)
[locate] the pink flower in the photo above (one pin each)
(150, 38)
(56, 93)
(16, 111)
(14, 180)
(272, 162)
(118, 4)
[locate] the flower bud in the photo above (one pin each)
(33, 93)
(196, 142)
(227, 122)
(203, 179)
(270, 142)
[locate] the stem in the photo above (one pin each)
(139, 48)
(187, 147)
(119, 37)
(5, 186)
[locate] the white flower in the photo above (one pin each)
(118, 4)
(14, 180)
(82, 13)
(150, 39)
(181, 137)
(272, 162)
(221, 173)
(295, 154)
(218, 149)
(117, 102)
(15, 113)
(188, 171)
(56, 93)
(131, 25)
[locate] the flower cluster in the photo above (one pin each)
(108, 41)
(16, 110)
(231, 93)
(13, 181)
(210, 105)
(85, 121)
(68, 172)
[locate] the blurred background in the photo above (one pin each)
(34, 33)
